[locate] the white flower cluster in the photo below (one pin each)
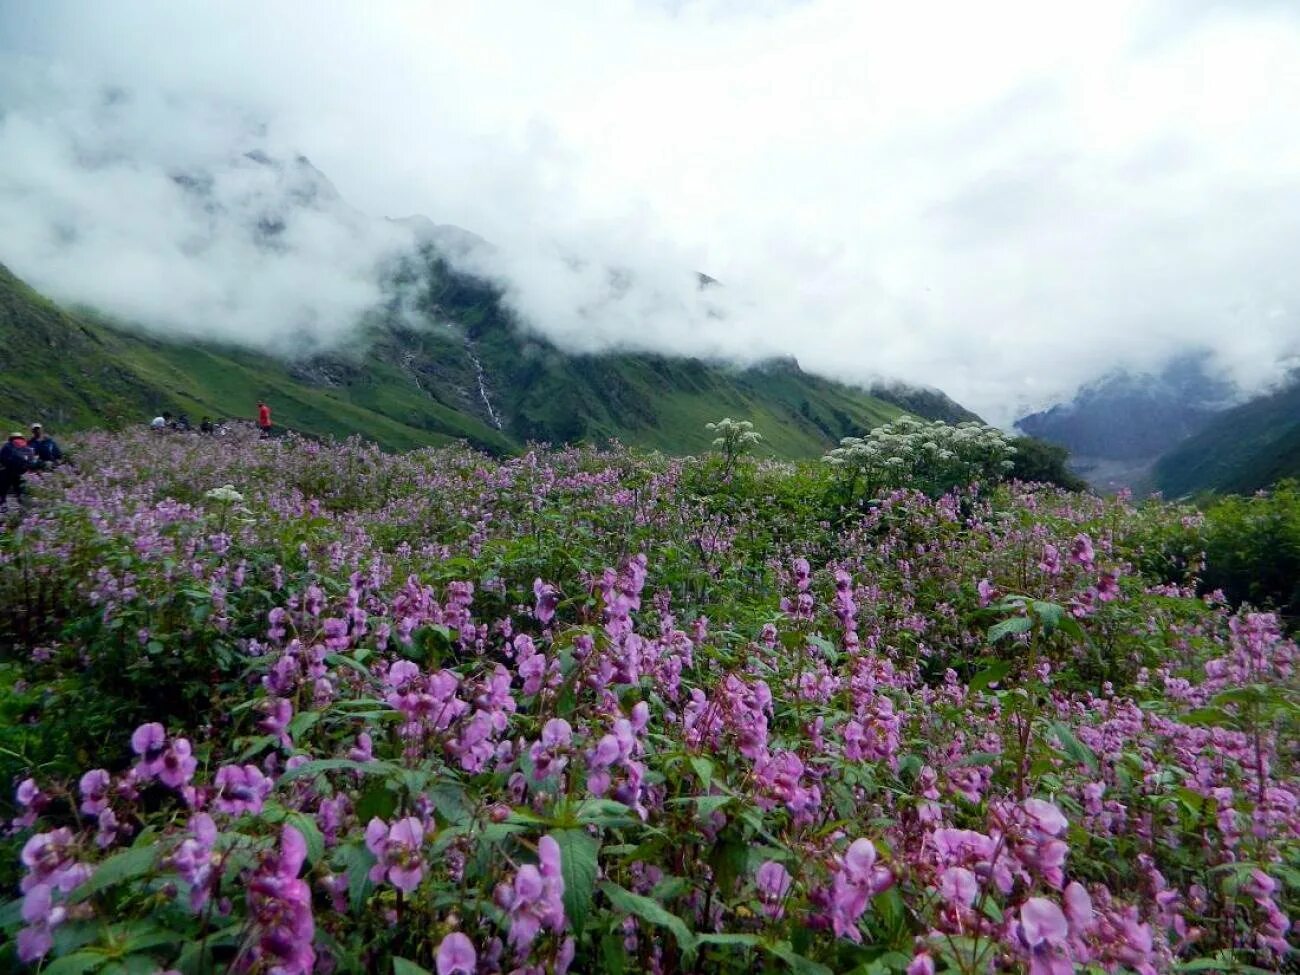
(930, 455)
(226, 494)
(734, 433)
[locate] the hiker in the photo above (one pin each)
(183, 423)
(45, 448)
(206, 426)
(16, 459)
(264, 419)
(161, 423)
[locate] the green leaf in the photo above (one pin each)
(706, 805)
(703, 769)
(357, 861)
(132, 965)
(75, 964)
(1017, 624)
(1078, 752)
(403, 967)
(378, 800)
(1250, 694)
(1207, 717)
(120, 867)
(320, 765)
(728, 859)
(139, 939)
(1051, 614)
(991, 674)
(306, 825)
(980, 758)
(612, 954)
(650, 911)
(342, 659)
(449, 801)
(303, 722)
(605, 812)
(797, 962)
(1070, 626)
(579, 853)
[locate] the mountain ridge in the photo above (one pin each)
(462, 370)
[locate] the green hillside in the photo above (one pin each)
(408, 382)
(1243, 449)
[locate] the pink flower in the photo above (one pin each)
(398, 849)
(547, 598)
(41, 917)
(32, 800)
(1046, 817)
(94, 792)
(177, 765)
(241, 789)
(1081, 551)
(147, 740)
(364, 750)
(1078, 907)
(535, 899)
(279, 712)
(456, 955)
(857, 880)
(193, 859)
(1044, 931)
(49, 862)
(921, 964)
(280, 909)
(958, 886)
(1042, 923)
(773, 882)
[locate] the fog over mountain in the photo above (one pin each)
(1040, 197)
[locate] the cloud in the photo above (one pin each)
(1002, 200)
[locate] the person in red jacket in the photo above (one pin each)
(264, 419)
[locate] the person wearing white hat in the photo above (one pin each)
(45, 448)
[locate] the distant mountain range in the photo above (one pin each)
(1134, 416)
(1182, 431)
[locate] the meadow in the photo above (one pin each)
(287, 706)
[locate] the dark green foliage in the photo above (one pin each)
(1252, 549)
(1038, 460)
(1244, 449)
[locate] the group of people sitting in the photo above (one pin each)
(21, 454)
(182, 424)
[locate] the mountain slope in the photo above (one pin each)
(1116, 426)
(444, 361)
(1244, 449)
(1133, 416)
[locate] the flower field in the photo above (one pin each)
(284, 707)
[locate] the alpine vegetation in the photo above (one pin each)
(280, 706)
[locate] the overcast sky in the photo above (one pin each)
(998, 199)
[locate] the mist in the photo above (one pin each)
(1002, 200)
